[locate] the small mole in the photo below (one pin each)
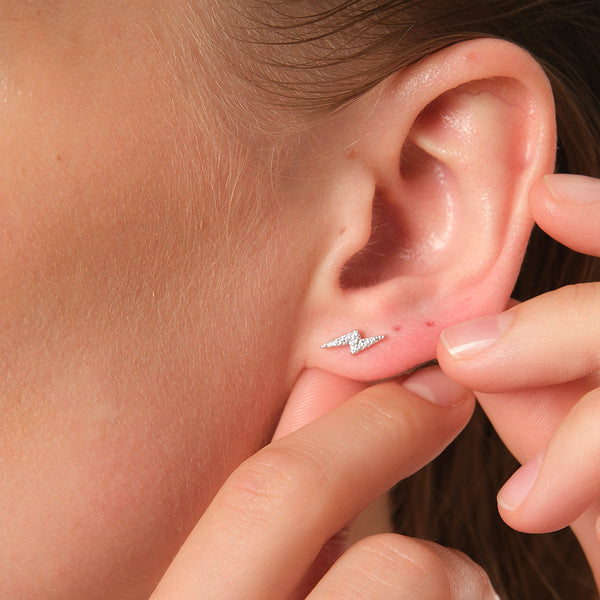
(342, 230)
(58, 157)
(397, 327)
(430, 323)
(351, 154)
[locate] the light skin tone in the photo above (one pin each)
(548, 346)
(149, 343)
(279, 481)
(127, 257)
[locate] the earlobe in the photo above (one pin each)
(446, 155)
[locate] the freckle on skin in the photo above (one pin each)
(430, 324)
(342, 231)
(396, 328)
(351, 154)
(58, 157)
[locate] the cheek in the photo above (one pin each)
(85, 139)
(141, 353)
(145, 343)
(115, 455)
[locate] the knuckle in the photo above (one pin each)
(398, 551)
(470, 571)
(274, 480)
(379, 413)
(466, 578)
(579, 305)
(403, 564)
(579, 296)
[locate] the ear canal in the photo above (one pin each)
(449, 204)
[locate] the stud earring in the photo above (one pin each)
(355, 341)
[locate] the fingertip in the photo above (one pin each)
(572, 189)
(315, 393)
(540, 196)
(519, 486)
(434, 385)
(567, 208)
(466, 340)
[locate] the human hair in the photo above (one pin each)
(315, 57)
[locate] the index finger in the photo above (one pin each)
(271, 518)
(567, 207)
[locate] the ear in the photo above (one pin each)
(427, 184)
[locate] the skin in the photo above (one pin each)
(135, 231)
(536, 409)
(547, 409)
(121, 287)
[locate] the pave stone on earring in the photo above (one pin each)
(355, 341)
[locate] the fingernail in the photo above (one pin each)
(517, 488)
(464, 340)
(432, 385)
(573, 188)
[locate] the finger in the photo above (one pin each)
(526, 419)
(393, 567)
(567, 207)
(270, 519)
(315, 394)
(553, 489)
(548, 340)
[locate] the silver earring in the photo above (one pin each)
(355, 341)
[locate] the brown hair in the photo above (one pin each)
(317, 56)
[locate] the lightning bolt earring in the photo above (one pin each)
(355, 341)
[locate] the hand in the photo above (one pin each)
(260, 537)
(536, 369)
